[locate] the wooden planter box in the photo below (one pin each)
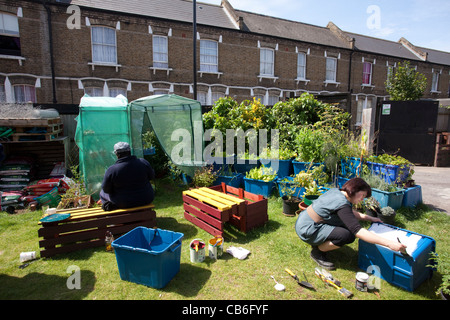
(210, 208)
(252, 213)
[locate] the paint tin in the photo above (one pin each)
(197, 250)
(215, 248)
(361, 281)
(27, 256)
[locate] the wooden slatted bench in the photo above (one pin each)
(86, 228)
(210, 208)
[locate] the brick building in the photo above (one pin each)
(56, 51)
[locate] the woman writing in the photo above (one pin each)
(330, 222)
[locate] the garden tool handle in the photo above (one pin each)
(290, 272)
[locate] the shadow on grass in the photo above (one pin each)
(189, 281)
(39, 286)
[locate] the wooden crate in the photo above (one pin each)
(253, 212)
(210, 208)
(52, 129)
(86, 228)
(207, 211)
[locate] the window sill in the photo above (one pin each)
(162, 69)
(327, 82)
(99, 64)
(260, 77)
(209, 72)
(20, 59)
(433, 91)
(367, 86)
(302, 80)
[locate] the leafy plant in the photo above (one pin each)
(442, 262)
(387, 211)
(309, 142)
(261, 173)
(204, 177)
(406, 83)
(283, 154)
(76, 191)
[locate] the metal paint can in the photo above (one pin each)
(361, 281)
(215, 248)
(197, 250)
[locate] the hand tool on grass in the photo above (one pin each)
(346, 293)
(278, 286)
(302, 283)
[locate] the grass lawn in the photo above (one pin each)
(273, 248)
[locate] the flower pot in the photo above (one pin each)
(260, 187)
(372, 213)
(309, 199)
(290, 205)
(303, 166)
(284, 167)
(234, 180)
(245, 165)
(302, 206)
(387, 219)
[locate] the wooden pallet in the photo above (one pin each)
(86, 228)
(49, 129)
(211, 208)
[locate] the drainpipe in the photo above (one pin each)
(52, 63)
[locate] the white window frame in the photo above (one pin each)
(10, 29)
(26, 95)
(301, 68)
(209, 53)
(266, 66)
(101, 60)
(370, 73)
(435, 81)
(94, 91)
(329, 71)
(160, 50)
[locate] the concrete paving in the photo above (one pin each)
(435, 183)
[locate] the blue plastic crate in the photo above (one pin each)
(391, 199)
(288, 183)
(350, 167)
(245, 165)
(284, 167)
(148, 256)
(261, 187)
(234, 180)
(412, 196)
(303, 166)
(405, 271)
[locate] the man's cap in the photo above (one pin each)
(120, 147)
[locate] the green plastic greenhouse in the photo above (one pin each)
(104, 121)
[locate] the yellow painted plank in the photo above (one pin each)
(223, 195)
(215, 197)
(204, 199)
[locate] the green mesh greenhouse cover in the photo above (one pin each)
(103, 121)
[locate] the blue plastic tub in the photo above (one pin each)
(405, 271)
(284, 167)
(412, 196)
(288, 183)
(148, 256)
(258, 186)
(350, 167)
(234, 180)
(245, 165)
(391, 199)
(303, 166)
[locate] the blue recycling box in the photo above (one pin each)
(148, 256)
(402, 270)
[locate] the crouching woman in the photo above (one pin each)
(330, 222)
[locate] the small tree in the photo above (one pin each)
(406, 83)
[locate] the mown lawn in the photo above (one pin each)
(273, 248)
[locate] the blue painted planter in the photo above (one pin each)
(258, 186)
(350, 167)
(284, 167)
(282, 185)
(235, 180)
(245, 165)
(303, 166)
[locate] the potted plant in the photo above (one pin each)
(260, 180)
(387, 215)
(204, 177)
(283, 159)
(245, 162)
(290, 192)
(387, 194)
(443, 266)
(231, 178)
(309, 144)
